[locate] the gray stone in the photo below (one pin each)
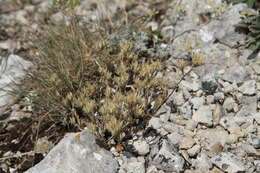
(167, 159)
(209, 137)
(133, 165)
(191, 125)
(219, 96)
(197, 102)
(79, 153)
(12, 69)
(249, 106)
(255, 141)
(9, 45)
(257, 117)
(194, 150)
(142, 147)
(256, 67)
(257, 165)
(249, 149)
(203, 163)
(229, 123)
(186, 110)
(178, 98)
(190, 86)
(236, 74)
(165, 117)
(203, 115)
(171, 127)
(228, 162)
(229, 104)
(248, 87)
(229, 88)
(155, 123)
(174, 138)
(210, 99)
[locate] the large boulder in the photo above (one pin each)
(77, 153)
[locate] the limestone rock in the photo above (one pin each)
(79, 153)
(236, 74)
(12, 69)
(228, 162)
(248, 88)
(203, 115)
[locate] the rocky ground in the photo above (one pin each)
(210, 123)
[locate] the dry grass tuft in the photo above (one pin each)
(197, 58)
(82, 82)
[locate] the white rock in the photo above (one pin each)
(256, 67)
(257, 117)
(197, 102)
(194, 150)
(167, 159)
(203, 115)
(133, 165)
(155, 123)
(21, 17)
(210, 99)
(229, 123)
(219, 96)
(229, 104)
(191, 125)
(228, 162)
(9, 45)
(165, 117)
(12, 69)
(79, 153)
(174, 138)
(186, 110)
(229, 88)
(190, 86)
(236, 74)
(203, 163)
(209, 137)
(249, 106)
(178, 98)
(142, 147)
(248, 87)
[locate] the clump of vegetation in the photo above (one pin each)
(181, 63)
(105, 82)
(250, 24)
(197, 58)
